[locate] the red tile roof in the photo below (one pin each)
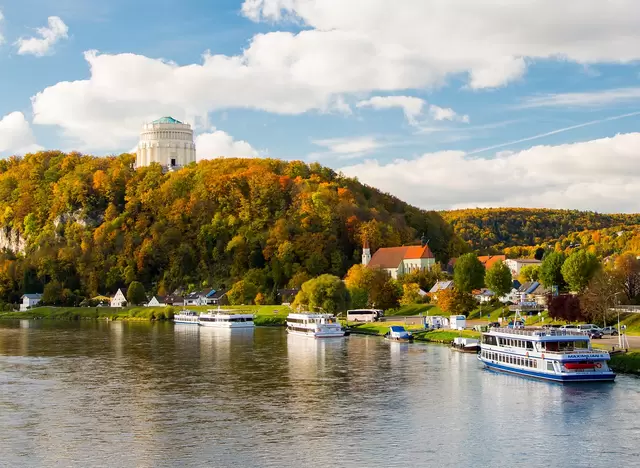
(489, 260)
(418, 251)
(391, 257)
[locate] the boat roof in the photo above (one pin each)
(309, 315)
(540, 334)
(397, 328)
(216, 314)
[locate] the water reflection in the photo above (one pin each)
(139, 394)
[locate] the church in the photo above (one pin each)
(398, 261)
(168, 142)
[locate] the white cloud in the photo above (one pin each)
(595, 98)
(411, 106)
(16, 136)
(50, 35)
(345, 48)
(593, 175)
(217, 144)
(441, 113)
(1, 20)
(350, 146)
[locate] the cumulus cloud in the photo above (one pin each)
(411, 106)
(217, 143)
(346, 47)
(16, 136)
(442, 113)
(49, 36)
(593, 175)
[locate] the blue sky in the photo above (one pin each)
(426, 99)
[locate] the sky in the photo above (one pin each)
(444, 103)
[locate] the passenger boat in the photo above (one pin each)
(465, 345)
(314, 325)
(549, 354)
(224, 319)
(398, 333)
(187, 316)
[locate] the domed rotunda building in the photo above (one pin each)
(168, 142)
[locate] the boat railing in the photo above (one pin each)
(538, 331)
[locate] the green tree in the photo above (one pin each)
(136, 294)
(456, 302)
(52, 294)
(551, 270)
(498, 279)
(468, 273)
(579, 268)
(602, 293)
(529, 273)
(242, 292)
(326, 292)
(410, 294)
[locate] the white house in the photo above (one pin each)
(119, 300)
(516, 264)
(440, 286)
(397, 261)
(157, 301)
(29, 301)
(206, 297)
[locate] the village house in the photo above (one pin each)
(156, 301)
(483, 295)
(516, 264)
(206, 297)
(398, 261)
(440, 286)
(487, 261)
(119, 299)
(29, 301)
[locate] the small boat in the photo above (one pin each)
(465, 345)
(217, 319)
(314, 325)
(398, 333)
(187, 316)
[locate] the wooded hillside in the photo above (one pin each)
(95, 224)
(491, 230)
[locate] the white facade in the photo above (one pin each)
(410, 265)
(119, 299)
(168, 142)
(366, 255)
(29, 301)
(515, 265)
(156, 301)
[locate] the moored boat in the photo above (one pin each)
(465, 345)
(188, 317)
(314, 325)
(225, 319)
(560, 355)
(398, 333)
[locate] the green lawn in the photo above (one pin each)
(437, 336)
(414, 309)
(626, 362)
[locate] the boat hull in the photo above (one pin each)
(227, 325)
(185, 322)
(466, 349)
(562, 378)
(312, 334)
(399, 340)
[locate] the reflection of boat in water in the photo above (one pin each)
(558, 355)
(314, 325)
(465, 345)
(217, 319)
(188, 317)
(398, 333)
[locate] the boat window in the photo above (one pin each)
(550, 366)
(581, 345)
(529, 345)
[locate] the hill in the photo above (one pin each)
(90, 225)
(491, 230)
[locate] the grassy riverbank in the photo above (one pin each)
(628, 363)
(433, 336)
(265, 315)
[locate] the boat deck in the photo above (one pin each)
(537, 331)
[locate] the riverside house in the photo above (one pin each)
(206, 297)
(29, 301)
(119, 299)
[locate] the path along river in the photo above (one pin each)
(136, 394)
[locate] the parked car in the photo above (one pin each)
(612, 331)
(569, 326)
(516, 324)
(493, 324)
(595, 333)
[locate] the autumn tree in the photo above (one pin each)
(627, 270)
(601, 294)
(578, 269)
(498, 279)
(551, 270)
(468, 273)
(136, 294)
(326, 292)
(410, 294)
(242, 292)
(372, 287)
(52, 294)
(455, 302)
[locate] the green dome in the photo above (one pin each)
(166, 120)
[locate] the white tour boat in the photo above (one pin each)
(314, 325)
(186, 316)
(226, 319)
(550, 354)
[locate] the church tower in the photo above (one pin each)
(366, 252)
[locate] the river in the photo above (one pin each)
(91, 393)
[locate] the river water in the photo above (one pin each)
(79, 394)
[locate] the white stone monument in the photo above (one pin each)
(168, 142)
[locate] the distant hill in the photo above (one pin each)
(93, 224)
(491, 230)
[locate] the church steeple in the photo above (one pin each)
(366, 252)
